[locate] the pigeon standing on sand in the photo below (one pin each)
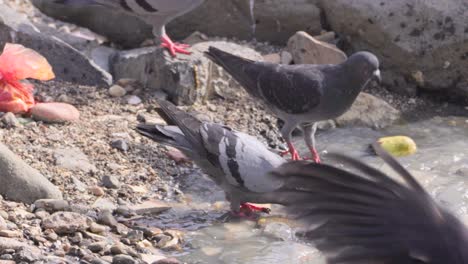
(302, 95)
(237, 162)
(155, 12)
(366, 216)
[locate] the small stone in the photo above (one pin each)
(96, 190)
(120, 144)
(63, 98)
(97, 247)
(123, 259)
(10, 233)
(66, 222)
(41, 214)
(73, 159)
(79, 185)
(133, 100)
(104, 204)
(135, 236)
(97, 228)
(77, 238)
(9, 120)
(167, 261)
(3, 224)
(55, 112)
(118, 249)
(111, 182)
(51, 205)
(50, 235)
(125, 211)
(151, 207)
(5, 259)
(106, 218)
(117, 91)
(100, 261)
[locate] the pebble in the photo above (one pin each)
(55, 112)
(96, 190)
(50, 235)
(9, 120)
(77, 238)
(135, 236)
(111, 182)
(3, 224)
(97, 247)
(66, 222)
(167, 261)
(97, 228)
(120, 144)
(10, 233)
(51, 205)
(106, 218)
(123, 259)
(134, 100)
(117, 91)
(151, 207)
(79, 185)
(41, 214)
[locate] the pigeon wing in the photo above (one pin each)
(368, 217)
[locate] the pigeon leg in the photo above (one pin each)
(174, 48)
(286, 131)
(309, 137)
(252, 208)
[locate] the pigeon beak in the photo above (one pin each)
(376, 76)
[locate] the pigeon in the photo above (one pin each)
(302, 94)
(154, 12)
(237, 162)
(365, 216)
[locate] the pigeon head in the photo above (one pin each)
(365, 64)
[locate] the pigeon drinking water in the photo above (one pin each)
(302, 95)
(154, 12)
(237, 162)
(365, 216)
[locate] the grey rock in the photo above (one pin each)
(117, 91)
(73, 159)
(97, 247)
(51, 205)
(120, 144)
(167, 261)
(406, 41)
(306, 49)
(111, 182)
(22, 183)
(9, 120)
(369, 111)
(134, 100)
(68, 63)
(79, 185)
(66, 222)
(135, 236)
(186, 79)
(28, 254)
(106, 218)
(105, 204)
(275, 20)
(3, 224)
(15, 245)
(123, 259)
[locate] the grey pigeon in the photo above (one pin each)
(155, 12)
(301, 95)
(366, 216)
(237, 162)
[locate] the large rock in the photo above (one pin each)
(306, 49)
(186, 79)
(274, 20)
(68, 63)
(420, 43)
(22, 183)
(369, 111)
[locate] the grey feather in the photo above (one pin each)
(368, 217)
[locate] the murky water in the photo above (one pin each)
(441, 165)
